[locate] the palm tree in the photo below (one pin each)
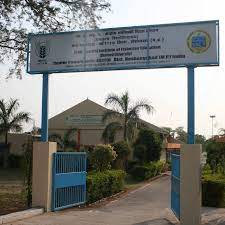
(126, 115)
(66, 141)
(221, 132)
(10, 120)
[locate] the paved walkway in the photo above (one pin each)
(148, 205)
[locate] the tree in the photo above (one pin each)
(18, 18)
(221, 132)
(152, 142)
(140, 153)
(65, 142)
(181, 135)
(170, 131)
(11, 120)
(200, 139)
(102, 157)
(216, 155)
(123, 151)
(126, 114)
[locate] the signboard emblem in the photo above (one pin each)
(199, 41)
(42, 49)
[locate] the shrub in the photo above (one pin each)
(123, 151)
(140, 153)
(213, 190)
(168, 166)
(104, 184)
(206, 170)
(131, 164)
(140, 172)
(27, 169)
(152, 142)
(1, 160)
(88, 150)
(15, 161)
(147, 171)
(102, 157)
(216, 156)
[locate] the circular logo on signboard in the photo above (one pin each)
(199, 41)
(42, 49)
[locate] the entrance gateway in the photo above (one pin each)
(190, 45)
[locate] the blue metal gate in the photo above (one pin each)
(175, 185)
(68, 179)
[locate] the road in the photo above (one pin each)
(148, 205)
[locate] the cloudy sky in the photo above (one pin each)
(165, 88)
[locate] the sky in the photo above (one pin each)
(166, 89)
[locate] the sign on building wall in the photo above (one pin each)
(84, 120)
(168, 45)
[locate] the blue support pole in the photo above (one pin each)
(191, 105)
(44, 119)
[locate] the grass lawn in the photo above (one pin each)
(11, 191)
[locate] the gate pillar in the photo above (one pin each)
(190, 184)
(42, 174)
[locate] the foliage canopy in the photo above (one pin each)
(127, 116)
(152, 142)
(102, 157)
(20, 17)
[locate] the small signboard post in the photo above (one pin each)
(190, 45)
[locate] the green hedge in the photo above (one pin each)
(213, 190)
(15, 161)
(147, 171)
(104, 184)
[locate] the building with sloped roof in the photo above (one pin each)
(87, 118)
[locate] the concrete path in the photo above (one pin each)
(145, 206)
(213, 216)
(148, 205)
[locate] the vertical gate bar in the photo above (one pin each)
(66, 196)
(44, 115)
(78, 170)
(66, 164)
(191, 105)
(82, 164)
(53, 182)
(59, 168)
(69, 163)
(61, 160)
(85, 169)
(72, 167)
(63, 163)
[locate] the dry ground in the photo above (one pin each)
(11, 191)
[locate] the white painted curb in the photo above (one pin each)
(12, 217)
